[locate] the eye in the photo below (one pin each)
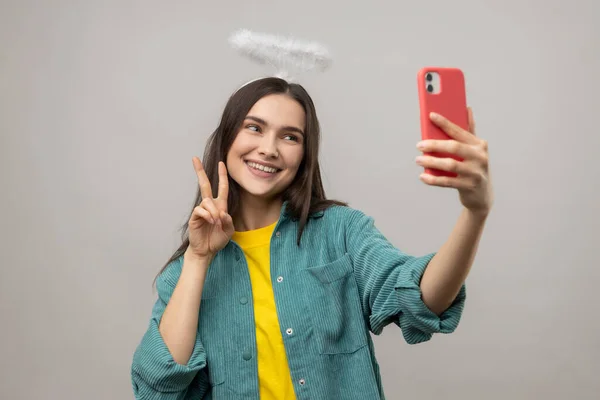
(254, 128)
(291, 137)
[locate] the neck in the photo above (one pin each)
(255, 213)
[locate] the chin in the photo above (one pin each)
(264, 193)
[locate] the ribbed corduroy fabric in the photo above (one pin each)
(343, 281)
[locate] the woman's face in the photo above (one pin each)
(267, 151)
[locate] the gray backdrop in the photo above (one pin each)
(104, 103)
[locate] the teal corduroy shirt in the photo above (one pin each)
(343, 282)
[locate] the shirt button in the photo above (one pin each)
(247, 355)
(289, 331)
(280, 279)
(278, 234)
(243, 300)
(302, 381)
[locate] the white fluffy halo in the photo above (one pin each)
(287, 55)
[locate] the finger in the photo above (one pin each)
(200, 213)
(471, 121)
(453, 147)
(211, 207)
(453, 130)
(223, 186)
(227, 222)
(445, 164)
(446, 181)
(203, 182)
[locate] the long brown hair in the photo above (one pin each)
(305, 195)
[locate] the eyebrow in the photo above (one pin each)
(285, 128)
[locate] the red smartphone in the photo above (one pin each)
(442, 90)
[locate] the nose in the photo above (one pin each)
(268, 146)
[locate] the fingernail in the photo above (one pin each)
(434, 116)
(419, 159)
(421, 145)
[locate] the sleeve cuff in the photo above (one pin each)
(155, 367)
(417, 322)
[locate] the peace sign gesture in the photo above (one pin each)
(210, 226)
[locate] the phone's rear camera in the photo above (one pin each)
(430, 88)
(429, 77)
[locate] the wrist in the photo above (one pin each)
(191, 257)
(479, 215)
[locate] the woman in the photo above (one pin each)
(275, 288)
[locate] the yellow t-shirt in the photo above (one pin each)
(274, 376)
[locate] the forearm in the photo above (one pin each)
(179, 322)
(448, 269)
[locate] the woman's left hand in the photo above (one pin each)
(473, 179)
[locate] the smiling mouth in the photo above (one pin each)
(262, 168)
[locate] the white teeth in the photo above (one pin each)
(262, 167)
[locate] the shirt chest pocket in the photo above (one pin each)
(334, 302)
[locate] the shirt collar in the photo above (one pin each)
(285, 215)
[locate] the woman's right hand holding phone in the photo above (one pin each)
(210, 227)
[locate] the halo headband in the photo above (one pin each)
(288, 56)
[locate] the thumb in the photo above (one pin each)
(471, 121)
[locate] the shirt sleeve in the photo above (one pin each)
(389, 285)
(154, 373)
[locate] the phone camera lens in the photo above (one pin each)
(430, 88)
(429, 77)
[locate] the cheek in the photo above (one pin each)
(243, 145)
(297, 158)
(231, 154)
(228, 161)
(236, 150)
